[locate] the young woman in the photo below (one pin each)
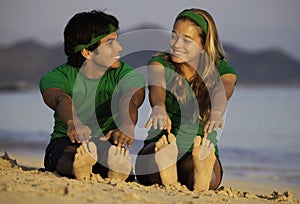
(188, 101)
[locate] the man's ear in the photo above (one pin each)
(86, 53)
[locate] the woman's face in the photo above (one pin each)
(185, 44)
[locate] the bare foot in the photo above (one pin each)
(84, 160)
(119, 163)
(204, 159)
(165, 158)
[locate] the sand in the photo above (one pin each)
(23, 182)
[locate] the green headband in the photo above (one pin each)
(95, 39)
(195, 17)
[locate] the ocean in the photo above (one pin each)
(260, 140)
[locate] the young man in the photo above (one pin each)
(95, 97)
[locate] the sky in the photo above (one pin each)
(248, 24)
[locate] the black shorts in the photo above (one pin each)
(54, 151)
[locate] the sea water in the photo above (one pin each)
(260, 140)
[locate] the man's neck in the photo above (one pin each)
(92, 71)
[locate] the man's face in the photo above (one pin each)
(107, 54)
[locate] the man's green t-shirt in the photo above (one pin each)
(96, 100)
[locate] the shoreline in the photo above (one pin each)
(23, 182)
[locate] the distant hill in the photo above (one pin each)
(23, 64)
(267, 66)
(26, 61)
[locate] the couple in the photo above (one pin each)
(96, 96)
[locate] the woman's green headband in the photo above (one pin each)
(95, 39)
(195, 17)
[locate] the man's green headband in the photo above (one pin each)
(95, 39)
(195, 17)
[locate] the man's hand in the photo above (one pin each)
(77, 132)
(121, 137)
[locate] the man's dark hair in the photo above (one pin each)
(81, 28)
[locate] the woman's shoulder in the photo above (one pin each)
(160, 58)
(225, 68)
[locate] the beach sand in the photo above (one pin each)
(23, 182)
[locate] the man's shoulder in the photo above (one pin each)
(65, 68)
(125, 66)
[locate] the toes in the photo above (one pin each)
(127, 156)
(197, 141)
(212, 147)
(122, 152)
(160, 143)
(118, 150)
(171, 138)
(76, 157)
(207, 143)
(112, 150)
(84, 146)
(80, 150)
(92, 147)
(164, 140)
(126, 153)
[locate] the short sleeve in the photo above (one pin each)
(54, 79)
(169, 70)
(225, 68)
(160, 60)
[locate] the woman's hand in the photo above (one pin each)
(215, 122)
(159, 119)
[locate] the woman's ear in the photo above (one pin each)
(86, 53)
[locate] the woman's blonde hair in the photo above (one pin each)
(207, 77)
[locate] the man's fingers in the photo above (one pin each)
(122, 140)
(107, 136)
(130, 142)
(116, 137)
(72, 138)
